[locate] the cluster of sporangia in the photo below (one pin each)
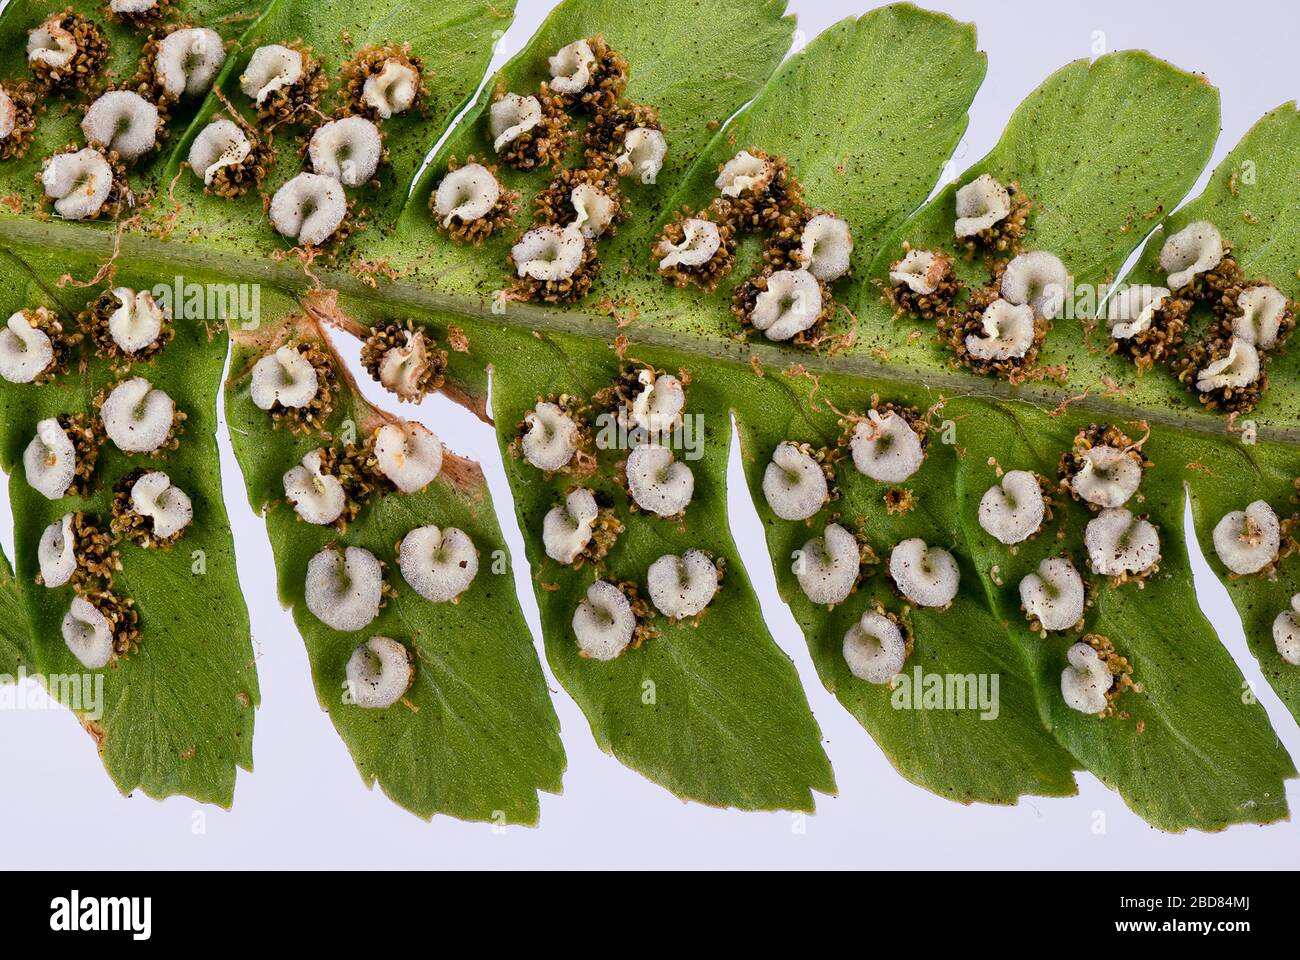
(296, 383)
(557, 259)
(806, 250)
(999, 328)
(127, 328)
(1250, 318)
(580, 530)
(126, 122)
(1102, 470)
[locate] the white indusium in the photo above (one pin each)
(827, 566)
(1085, 682)
(392, 89)
(1054, 596)
(122, 121)
(466, 194)
(285, 377)
(56, 554)
(1286, 633)
(220, 144)
(1108, 477)
(308, 208)
(794, 484)
(25, 351)
(875, 648)
(571, 67)
(1262, 308)
(137, 322)
(549, 253)
(79, 183)
(1248, 540)
(658, 482)
(88, 634)
(137, 416)
(1119, 543)
(790, 305)
(928, 576)
(167, 506)
(744, 172)
(644, 151)
(567, 527)
(920, 271)
(1132, 308)
(700, 242)
(826, 246)
(1006, 333)
(550, 437)
(657, 409)
(1013, 510)
(188, 61)
(682, 586)
(317, 497)
(1240, 368)
(886, 448)
(510, 117)
(603, 623)
(1191, 251)
(408, 454)
(980, 204)
(348, 149)
(1037, 278)
(439, 564)
(379, 673)
(271, 68)
(345, 588)
(50, 460)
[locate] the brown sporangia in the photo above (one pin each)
(299, 101)
(745, 296)
(417, 368)
(1162, 340)
(479, 229)
(141, 19)
(122, 619)
(370, 62)
(20, 101)
(129, 524)
(1121, 672)
(1006, 237)
(933, 306)
(94, 322)
(604, 135)
(760, 207)
(608, 79)
(958, 325)
(707, 274)
(545, 144)
(554, 205)
(86, 440)
(312, 415)
(1095, 435)
(82, 72)
(564, 290)
(96, 558)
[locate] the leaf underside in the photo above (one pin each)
(711, 709)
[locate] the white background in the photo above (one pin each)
(306, 807)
